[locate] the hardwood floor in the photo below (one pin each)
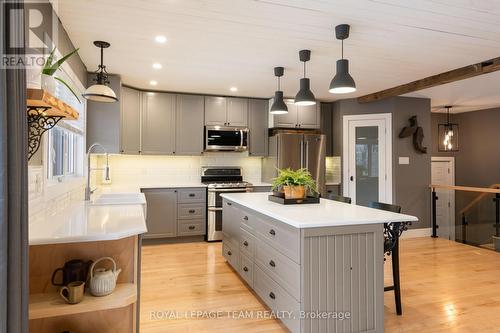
(447, 287)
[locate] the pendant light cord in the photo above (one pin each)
(342, 49)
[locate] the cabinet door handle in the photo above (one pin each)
(192, 211)
(229, 253)
(245, 269)
(272, 263)
(191, 227)
(192, 195)
(245, 218)
(245, 243)
(229, 204)
(272, 232)
(271, 294)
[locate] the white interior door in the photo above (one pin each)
(443, 173)
(367, 167)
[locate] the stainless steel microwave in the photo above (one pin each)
(220, 138)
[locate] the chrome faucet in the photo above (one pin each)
(88, 191)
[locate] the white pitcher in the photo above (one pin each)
(102, 281)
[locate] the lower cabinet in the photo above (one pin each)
(175, 212)
(311, 277)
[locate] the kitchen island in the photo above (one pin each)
(111, 226)
(319, 267)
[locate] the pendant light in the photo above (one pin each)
(343, 82)
(305, 96)
(448, 134)
(279, 106)
(100, 92)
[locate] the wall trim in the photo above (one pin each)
(416, 233)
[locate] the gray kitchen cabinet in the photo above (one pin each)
(215, 111)
(258, 127)
(158, 123)
(308, 116)
(130, 121)
(287, 120)
(103, 119)
(189, 125)
(222, 111)
(237, 112)
(161, 218)
(326, 126)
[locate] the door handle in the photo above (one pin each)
(301, 154)
(306, 148)
(351, 178)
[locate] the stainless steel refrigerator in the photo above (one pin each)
(295, 151)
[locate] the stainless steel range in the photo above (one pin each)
(220, 180)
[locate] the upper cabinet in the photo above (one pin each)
(226, 111)
(215, 111)
(189, 125)
(257, 125)
(103, 119)
(158, 123)
(297, 116)
(130, 121)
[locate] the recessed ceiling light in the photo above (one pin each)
(153, 83)
(161, 39)
(233, 89)
(157, 65)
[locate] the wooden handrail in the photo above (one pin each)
(477, 199)
(490, 189)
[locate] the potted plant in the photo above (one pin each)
(295, 184)
(50, 68)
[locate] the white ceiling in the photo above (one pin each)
(215, 44)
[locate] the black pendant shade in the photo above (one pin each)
(279, 106)
(305, 96)
(342, 82)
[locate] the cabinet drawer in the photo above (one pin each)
(231, 255)
(277, 298)
(247, 243)
(282, 237)
(191, 211)
(246, 269)
(281, 268)
(191, 195)
(191, 227)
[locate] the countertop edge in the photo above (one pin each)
(408, 218)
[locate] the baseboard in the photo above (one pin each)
(415, 233)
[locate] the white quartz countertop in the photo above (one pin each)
(84, 222)
(327, 213)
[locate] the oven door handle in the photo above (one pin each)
(214, 209)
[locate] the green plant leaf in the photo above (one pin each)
(61, 61)
(289, 177)
(67, 86)
(48, 63)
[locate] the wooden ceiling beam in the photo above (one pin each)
(458, 74)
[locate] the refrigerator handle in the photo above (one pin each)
(301, 154)
(306, 157)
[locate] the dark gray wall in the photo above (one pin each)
(477, 164)
(410, 182)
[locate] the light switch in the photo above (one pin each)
(404, 160)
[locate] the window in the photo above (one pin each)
(64, 144)
(63, 153)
